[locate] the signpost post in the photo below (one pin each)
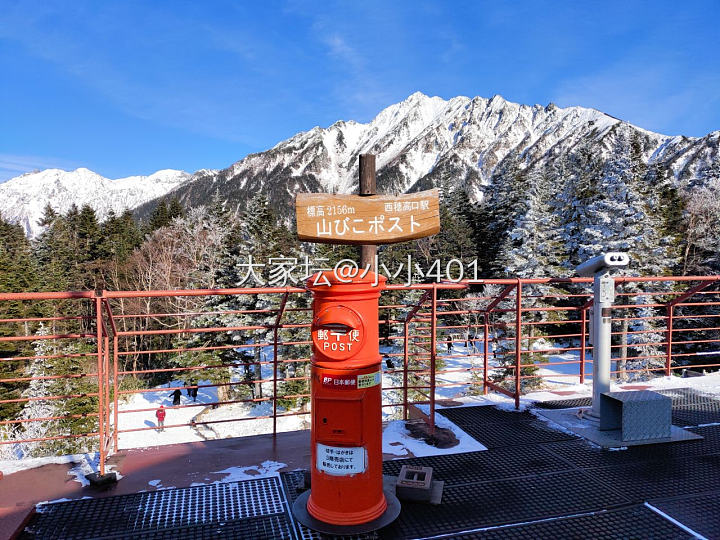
(367, 186)
(346, 495)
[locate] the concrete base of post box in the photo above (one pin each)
(301, 514)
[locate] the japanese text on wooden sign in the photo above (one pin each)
(375, 219)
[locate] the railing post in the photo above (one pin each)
(406, 366)
(433, 353)
(518, 341)
(668, 359)
(281, 310)
(106, 382)
(583, 339)
(100, 375)
(486, 351)
(115, 393)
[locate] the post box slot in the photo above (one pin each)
(337, 327)
(338, 420)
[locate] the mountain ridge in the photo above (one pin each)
(421, 139)
(420, 142)
(23, 199)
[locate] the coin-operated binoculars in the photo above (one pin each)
(601, 318)
(346, 494)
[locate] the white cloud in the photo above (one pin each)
(340, 49)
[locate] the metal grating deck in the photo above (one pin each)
(693, 407)
(488, 425)
(682, 397)
(471, 467)
(497, 502)
(258, 528)
(564, 403)
(252, 506)
(634, 522)
(647, 480)
(487, 413)
(699, 512)
(696, 415)
(534, 482)
(582, 455)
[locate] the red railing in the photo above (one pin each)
(86, 370)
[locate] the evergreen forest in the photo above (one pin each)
(530, 223)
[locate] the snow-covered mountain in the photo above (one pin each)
(422, 142)
(425, 141)
(23, 199)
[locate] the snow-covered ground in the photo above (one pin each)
(398, 441)
(82, 465)
(253, 425)
(197, 421)
(243, 419)
(145, 422)
(709, 384)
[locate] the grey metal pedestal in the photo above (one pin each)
(639, 416)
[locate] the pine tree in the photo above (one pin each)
(262, 235)
(74, 361)
(119, 237)
(175, 209)
(454, 241)
(580, 174)
(18, 273)
(54, 251)
(160, 217)
(38, 406)
(533, 247)
(88, 234)
(503, 207)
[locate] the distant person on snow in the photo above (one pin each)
(193, 392)
(449, 343)
(160, 415)
(176, 397)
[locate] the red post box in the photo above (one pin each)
(346, 492)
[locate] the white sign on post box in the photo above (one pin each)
(341, 460)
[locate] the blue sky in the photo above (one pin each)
(132, 87)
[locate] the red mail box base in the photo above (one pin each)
(392, 511)
(347, 484)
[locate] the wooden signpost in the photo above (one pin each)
(347, 494)
(366, 219)
(354, 219)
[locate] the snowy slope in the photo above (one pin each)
(23, 199)
(414, 136)
(428, 141)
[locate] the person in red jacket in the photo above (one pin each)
(160, 415)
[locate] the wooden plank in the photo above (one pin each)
(374, 219)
